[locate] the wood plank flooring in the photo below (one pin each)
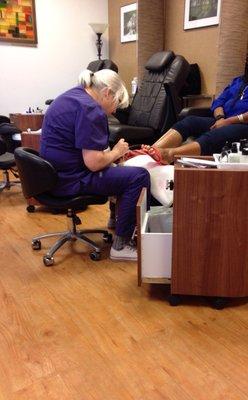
(83, 330)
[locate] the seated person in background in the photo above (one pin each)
(229, 123)
(74, 137)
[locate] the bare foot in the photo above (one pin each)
(145, 147)
(167, 155)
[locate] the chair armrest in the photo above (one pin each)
(113, 120)
(7, 129)
(132, 134)
(199, 111)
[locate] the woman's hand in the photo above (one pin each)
(220, 123)
(121, 148)
(96, 160)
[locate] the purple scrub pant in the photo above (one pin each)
(125, 183)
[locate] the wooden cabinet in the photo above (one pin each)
(210, 231)
(27, 121)
(31, 140)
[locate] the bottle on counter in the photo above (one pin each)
(234, 156)
(244, 155)
(134, 85)
(226, 149)
(243, 143)
(235, 147)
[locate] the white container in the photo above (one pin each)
(229, 166)
(154, 249)
(233, 158)
(244, 156)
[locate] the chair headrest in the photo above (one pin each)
(158, 61)
(109, 64)
(95, 65)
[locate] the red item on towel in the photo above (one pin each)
(153, 152)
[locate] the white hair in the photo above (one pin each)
(106, 78)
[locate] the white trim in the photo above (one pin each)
(128, 37)
(200, 22)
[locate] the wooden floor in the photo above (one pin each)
(83, 330)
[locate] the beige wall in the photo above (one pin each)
(233, 40)
(218, 50)
(123, 54)
(196, 45)
(151, 31)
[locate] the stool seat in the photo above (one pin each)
(64, 203)
(7, 160)
(7, 165)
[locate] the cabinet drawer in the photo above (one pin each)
(154, 249)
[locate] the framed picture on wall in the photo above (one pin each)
(200, 13)
(18, 21)
(129, 23)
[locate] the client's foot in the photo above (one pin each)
(128, 253)
(153, 152)
(167, 155)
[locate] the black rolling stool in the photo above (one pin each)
(7, 165)
(38, 177)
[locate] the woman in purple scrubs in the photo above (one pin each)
(75, 140)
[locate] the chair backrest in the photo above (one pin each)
(3, 119)
(7, 130)
(151, 103)
(97, 65)
(36, 174)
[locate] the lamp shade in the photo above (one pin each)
(98, 28)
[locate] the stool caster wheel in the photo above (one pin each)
(174, 300)
(218, 303)
(95, 256)
(30, 209)
(48, 261)
(108, 238)
(36, 245)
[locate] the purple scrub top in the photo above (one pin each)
(74, 121)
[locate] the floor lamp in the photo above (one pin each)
(99, 29)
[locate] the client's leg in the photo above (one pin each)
(192, 148)
(212, 142)
(209, 142)
(171, 145)
(172, 138)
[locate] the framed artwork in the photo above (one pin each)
(129, 23)
(200, 13)
(18, 21)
